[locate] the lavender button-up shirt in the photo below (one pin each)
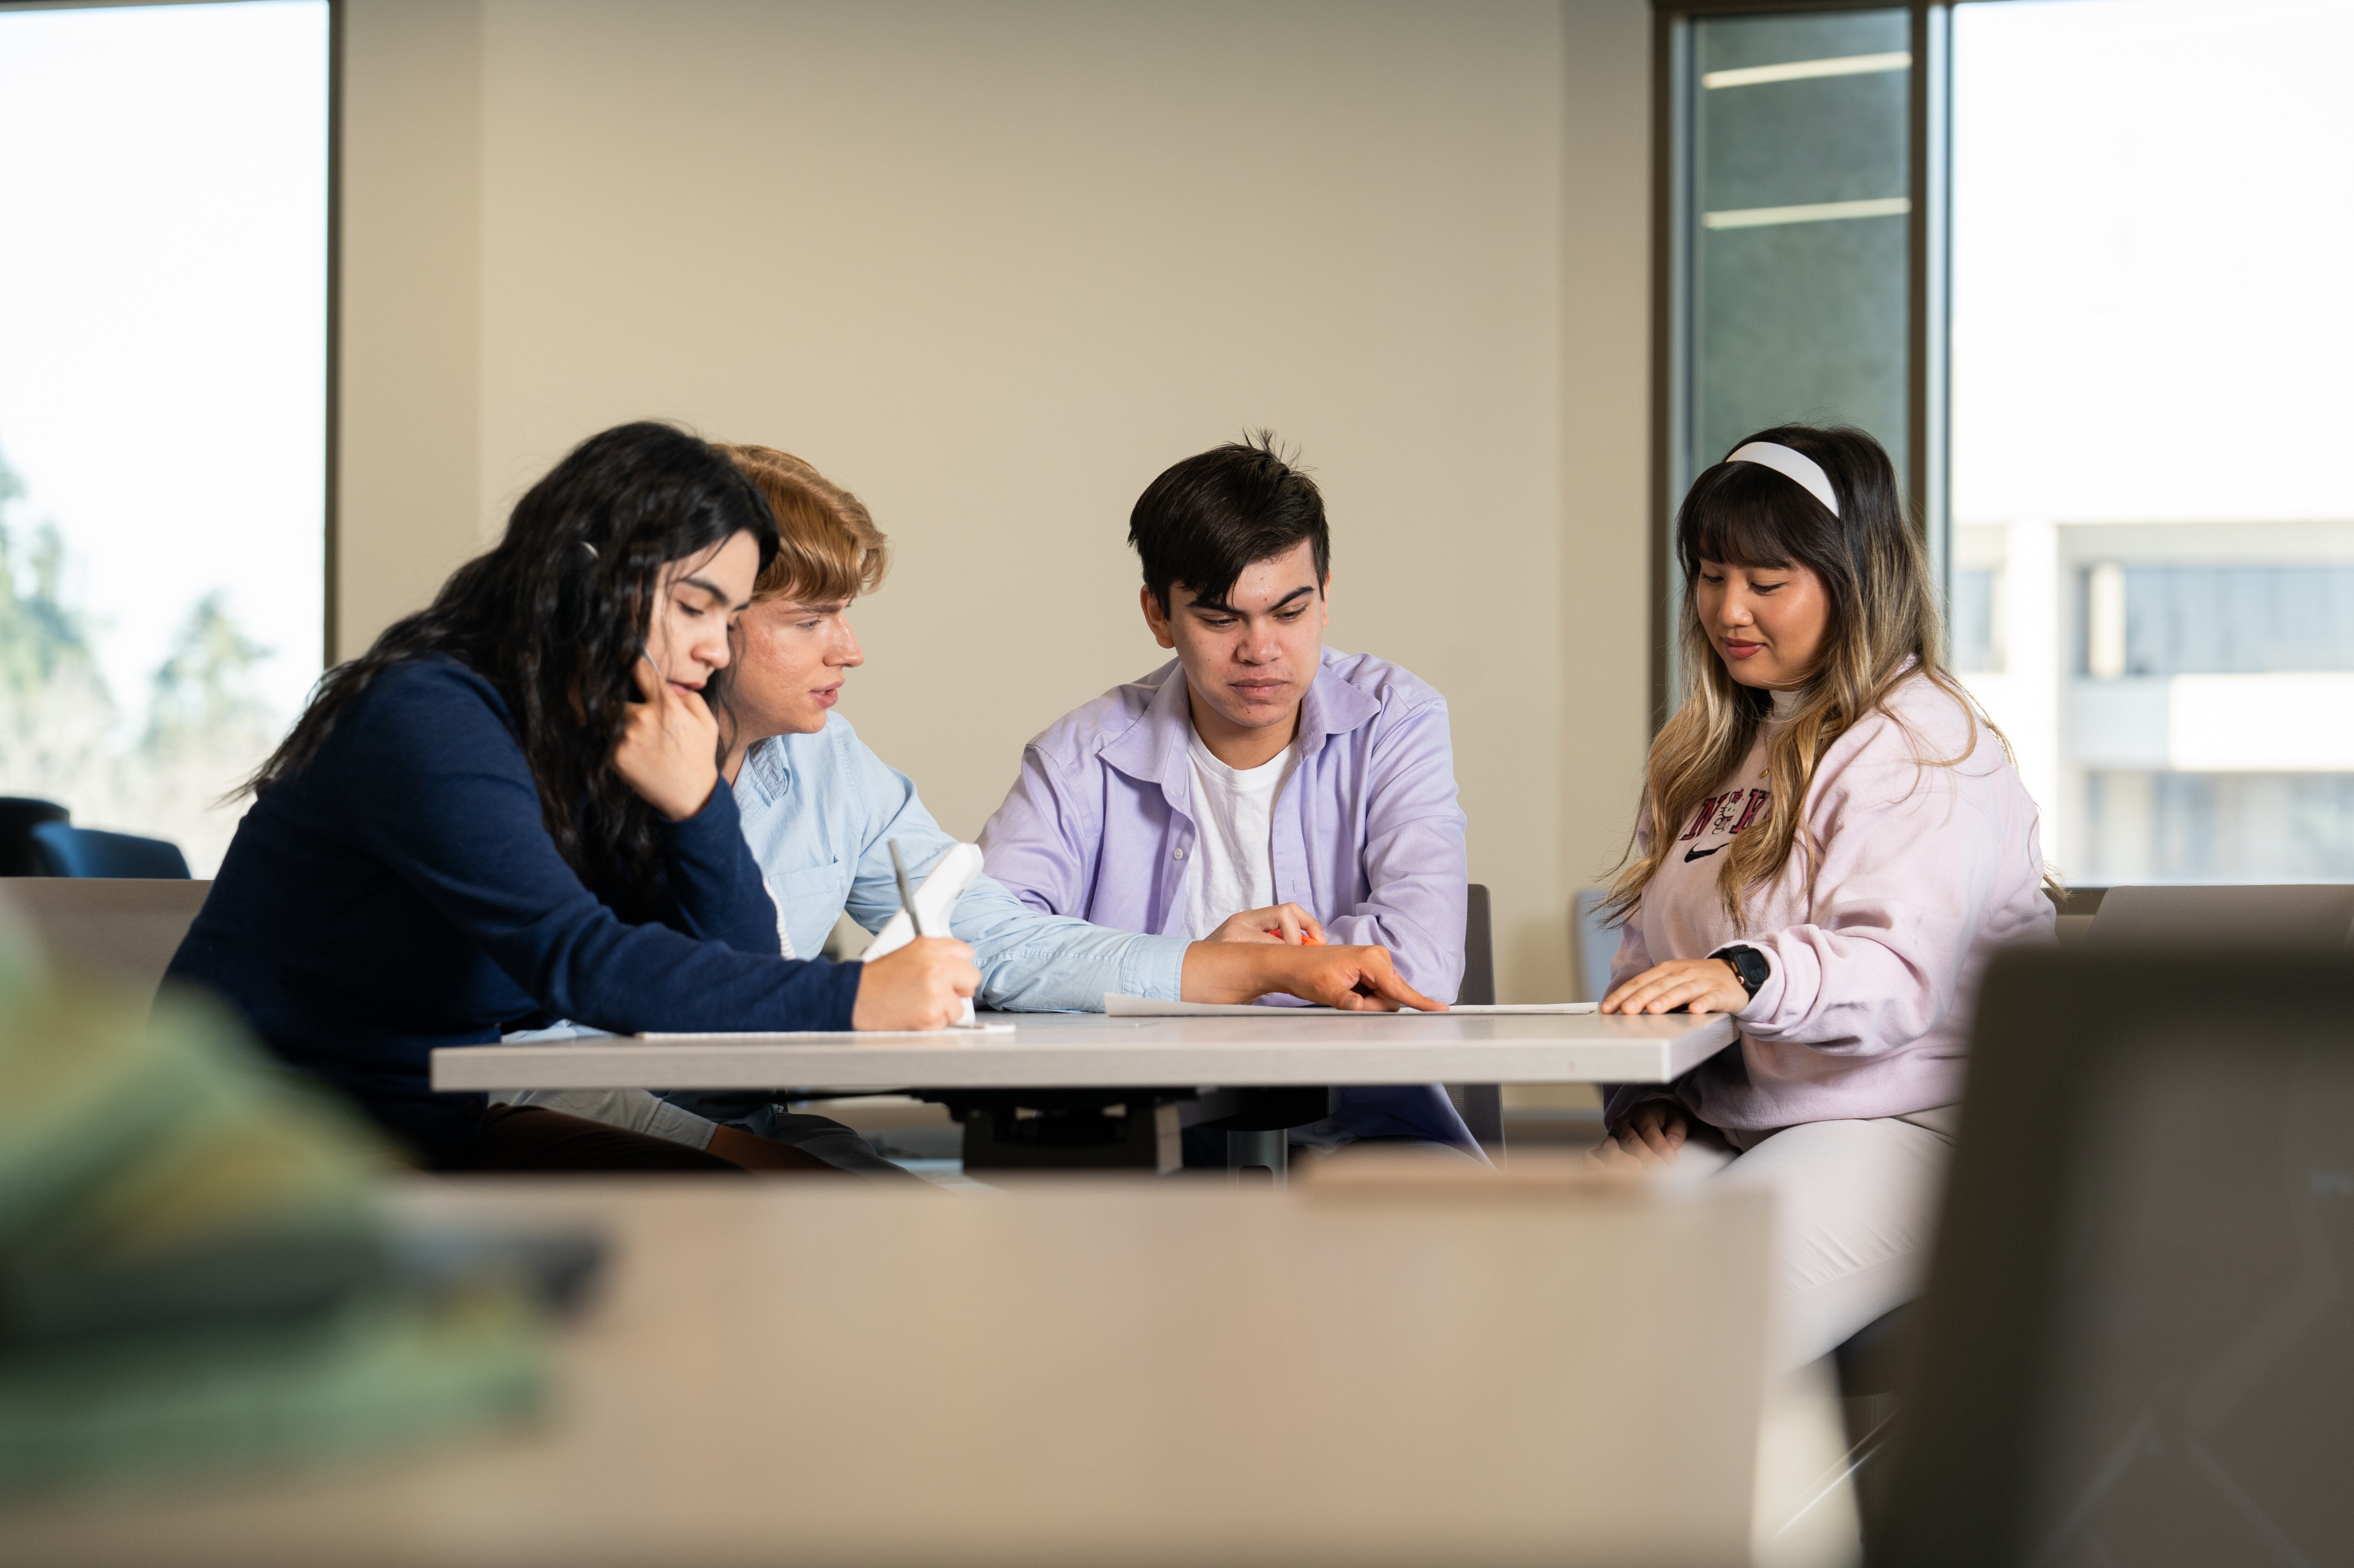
(1368, 836)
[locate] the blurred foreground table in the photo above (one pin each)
(1432, 1366)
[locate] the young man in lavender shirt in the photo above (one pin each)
(1258, 781)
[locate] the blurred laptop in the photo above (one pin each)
(2138, 1344)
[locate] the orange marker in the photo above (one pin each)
(1308, 938)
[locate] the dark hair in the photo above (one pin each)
(555, 617)
(1207, 518)
(1746, 514)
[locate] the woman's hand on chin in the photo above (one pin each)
(670, 747)
(920, 986)
(1653, 1134)
(1695, 985)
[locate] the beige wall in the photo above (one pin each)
(993, 266)
(408, 452)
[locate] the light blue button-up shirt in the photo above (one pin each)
(820, 811)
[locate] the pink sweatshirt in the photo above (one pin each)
(1925, 871)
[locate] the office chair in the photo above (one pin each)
(2137, 1345)
(18, 817)
(1481, 1106)
(62, 849)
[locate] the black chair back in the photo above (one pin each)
(19, 815)
(1481, 1105)
(62, 849)
(1479, 950)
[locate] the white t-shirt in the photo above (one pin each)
(1234, 860)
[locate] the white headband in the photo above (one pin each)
(1795, 465)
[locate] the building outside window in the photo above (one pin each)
(163, 383)
(2153, 585)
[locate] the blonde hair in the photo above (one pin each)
(1883, 629)
(827, 544)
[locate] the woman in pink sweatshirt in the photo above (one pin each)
(1832, 841)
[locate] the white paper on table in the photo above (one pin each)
(1117, 1006)
(790, 1035)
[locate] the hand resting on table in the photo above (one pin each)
(1359, 980)
(1691, 985)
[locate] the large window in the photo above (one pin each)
(2152, 498)
(162, 381)
(2150, 570)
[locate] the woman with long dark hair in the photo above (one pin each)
(1832, 840)
(508, 811)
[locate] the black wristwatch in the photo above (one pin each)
(1748, 963)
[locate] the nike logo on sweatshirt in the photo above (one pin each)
(1692, 854)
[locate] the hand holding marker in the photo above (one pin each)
(1288, 915)
(920, 981)
(907, 893)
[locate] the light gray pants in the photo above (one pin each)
(641, 1111)
(1855, 1216)
(636, 1110)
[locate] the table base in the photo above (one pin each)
(1125, 1129)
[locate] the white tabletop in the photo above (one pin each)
(1095, 1052)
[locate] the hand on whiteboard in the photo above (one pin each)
(922, 985)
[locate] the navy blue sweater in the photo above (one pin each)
(400, 892)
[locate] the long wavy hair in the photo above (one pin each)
(1872, 558)
(555, 617)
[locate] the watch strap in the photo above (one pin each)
(1751, 965)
